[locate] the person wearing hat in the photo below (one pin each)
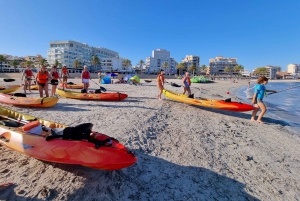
(65, 74)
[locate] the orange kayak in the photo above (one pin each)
(73, 86)
(27, 101)
(103, 152)
(9, 89)
(88, 96)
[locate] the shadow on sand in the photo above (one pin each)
(151, 178)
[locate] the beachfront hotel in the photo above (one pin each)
(217, 65)
(190, 60)
(156, 62)
(293, 68)
(66, 52)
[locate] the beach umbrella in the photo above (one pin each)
(135, 79)
(112, 75)
(127, 77)
(106, 80)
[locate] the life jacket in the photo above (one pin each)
(30, 125)
(55, 75)
(64, 70)
(85, 74)
(28, 73)
(188, 81)
(158, 78)
(43, 78)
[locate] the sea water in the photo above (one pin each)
(282, 106)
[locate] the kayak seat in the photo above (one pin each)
(227, 100)
(79, 132)
(98, 91)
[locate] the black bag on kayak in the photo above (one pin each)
(83, 91)
(98, 91)
(19, 95)
(80, 132)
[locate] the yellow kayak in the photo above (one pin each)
(9, 89)
(209, 103)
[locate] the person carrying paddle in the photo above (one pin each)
(160, 83)
(259, 93)
(64, 74)
(42, 79)
(54, 81)
(186, 84)
(85, 76)
(28, 77)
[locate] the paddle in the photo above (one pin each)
(20, 121)
(102, 88)
(289, 88)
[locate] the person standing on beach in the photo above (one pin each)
(257, 101)
(28, 77)
(54, 81)
(64, 74)
(42, 79)
(186, 84)
(160, 83)
(85, 76)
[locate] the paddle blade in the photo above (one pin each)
(103, 89)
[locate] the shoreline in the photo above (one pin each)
(184, 152)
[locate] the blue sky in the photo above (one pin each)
(256, 32)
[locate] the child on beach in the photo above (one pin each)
(42, 79)
(259, 93)
(64, 74)
(186, 84)
(160, 83)
(85, 76)
(28, 77)
(54, 81)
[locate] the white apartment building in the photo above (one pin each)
(218, 64)
(156, 62)
(190, 60)
(293, 68)
(66, 52)
(271, 71)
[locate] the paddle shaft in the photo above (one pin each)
(22, 121)
(102, 88)
(289, 88)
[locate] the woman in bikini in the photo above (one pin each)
(28, 77)
(42, 79)
(160, 83)
(54, 81)
(64, 74)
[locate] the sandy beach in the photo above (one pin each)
(184, 152)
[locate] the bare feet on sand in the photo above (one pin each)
(252, 119)
(6, 185)
(259, 121)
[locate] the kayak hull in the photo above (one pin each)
(28, 102)
(9, 89)
(79, 152)
(88, 96)
(216, 104)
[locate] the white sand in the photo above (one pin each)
(184, 152)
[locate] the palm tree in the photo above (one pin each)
(227, 69)
(76, 64)
(192, 68)
(181, 67)
(57, 63)
(29, 63)
(238, 68)
(43, 62)
(165, 65)
(260, 71)
(141, 62)
(95, 61)
(14, 63)
(126, 62)
(2, 59)
(203, 68)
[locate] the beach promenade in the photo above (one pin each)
(184, 152)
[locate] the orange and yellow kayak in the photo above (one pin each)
(73, 86)
(27, 101)
(91, 96)
(9, 88)
(217, 104)
(103, 152)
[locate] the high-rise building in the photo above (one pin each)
(157, 61)
(217, 65)
(271, 71)
(191, 60)
(66, 52)
(293, 68)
